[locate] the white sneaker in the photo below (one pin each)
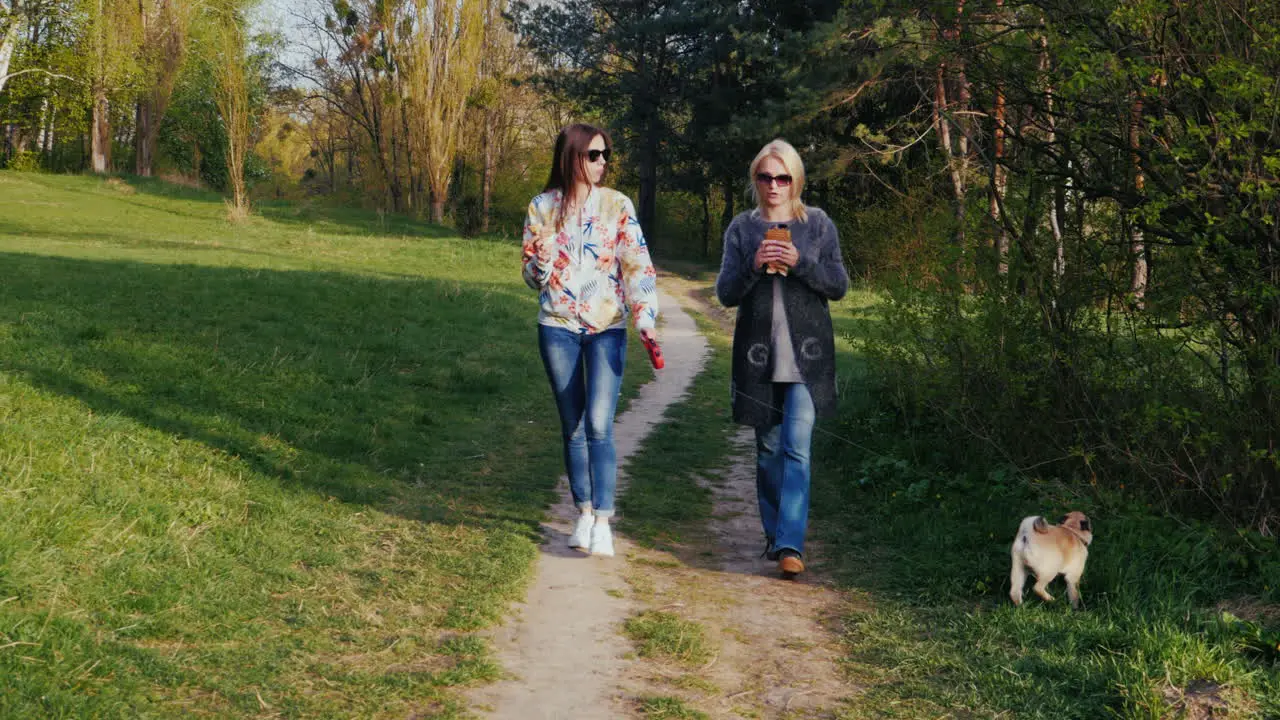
(602, 539)
(581, 537)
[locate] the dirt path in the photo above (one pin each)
(776, 642)
(775, 650)
(563, 650)
(777, 654)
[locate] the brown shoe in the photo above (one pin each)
(790, 563)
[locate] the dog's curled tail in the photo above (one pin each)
(1028, 524)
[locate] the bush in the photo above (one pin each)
(24, 161)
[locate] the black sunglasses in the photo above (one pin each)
(594, 155)
(766, 178)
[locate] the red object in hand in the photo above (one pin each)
(655, 352)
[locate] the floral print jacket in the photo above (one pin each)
(596, 270)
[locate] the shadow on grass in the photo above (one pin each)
(316, 213)
(413, 395)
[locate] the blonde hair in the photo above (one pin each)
(782, 151)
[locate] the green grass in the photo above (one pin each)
(665, 635)
(927, 547)
(664, 505)
(281, 467)
(668, 708)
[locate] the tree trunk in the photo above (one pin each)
(486, 178)
(1058, 206)
(142, 114)
(1137, 245)
(9, 43)
(332, 152)
(437, 209)
(963, 96)
(100, 131)
(726, 214)
(143, 158)
(648, 209)
(999, 183)
(47, 138)
(43, 126)
(999, 180)
(705, 195)
(648, 161)
(943, 127)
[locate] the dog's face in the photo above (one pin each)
(1080, 523)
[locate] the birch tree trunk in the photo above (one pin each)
(1058, 207)
(9, 40)
(1137, 244)
(100, 130)
(943, 127)
(999, 185)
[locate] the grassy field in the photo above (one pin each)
(1182, 619)
(280, 468)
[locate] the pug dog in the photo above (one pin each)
(1050, 551)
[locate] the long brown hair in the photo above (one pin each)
(566, 163)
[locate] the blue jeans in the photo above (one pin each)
(586, 376)
(782, 470)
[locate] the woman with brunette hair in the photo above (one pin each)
(782, 264)
(586, 256)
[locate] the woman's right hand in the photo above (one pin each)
(540, 244)
(766, 253)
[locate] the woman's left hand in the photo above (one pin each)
(649, 334)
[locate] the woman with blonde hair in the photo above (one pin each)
(585, 255)
(782, 264)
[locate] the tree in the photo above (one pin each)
(354, 49)
(441, 67)
(12, 20)
(496, 98)
(164, 27)
(616, 58)
(229, 58)
(112, 38)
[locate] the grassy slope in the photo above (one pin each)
(280, 467)
(928, 549)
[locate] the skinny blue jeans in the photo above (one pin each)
(782, 470)
(585, 371)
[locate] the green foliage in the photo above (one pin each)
(192, 136)
(512, 192)
(922, 518)
(55, 100)
(24, 162)
(1063, 353)
(689, 121)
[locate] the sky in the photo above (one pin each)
(278, 16)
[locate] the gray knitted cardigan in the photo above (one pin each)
(818, 277)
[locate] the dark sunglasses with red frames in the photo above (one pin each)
(595, 155)
(766, 178)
